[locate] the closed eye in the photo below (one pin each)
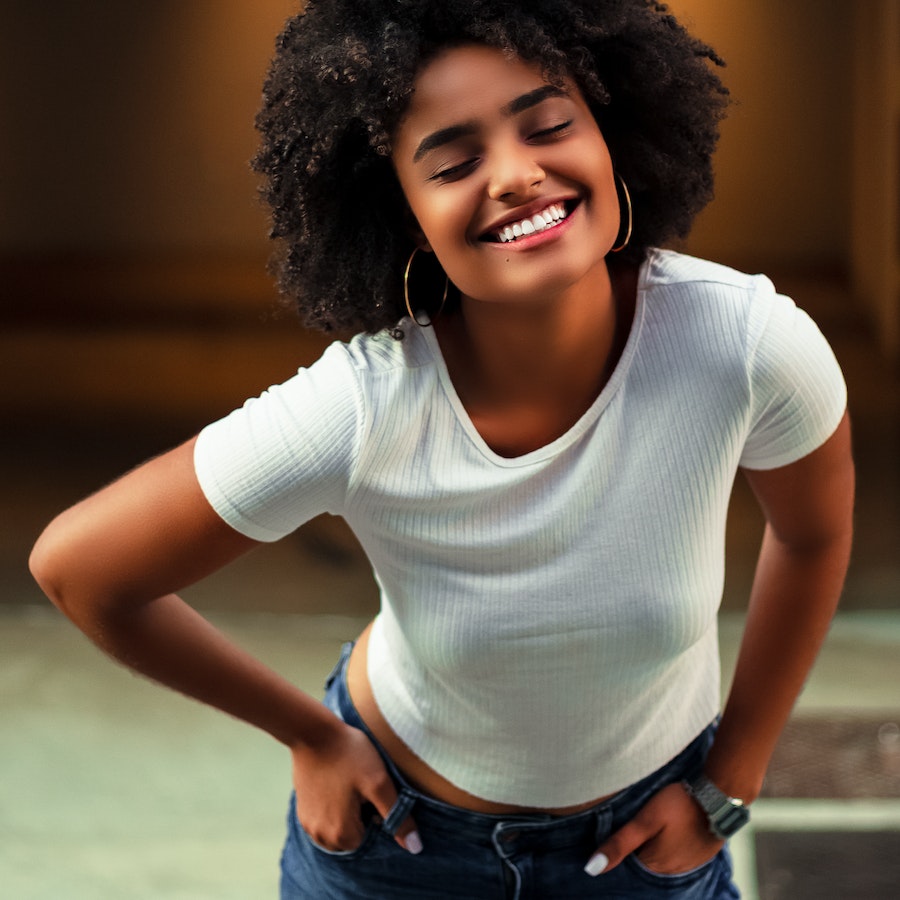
(453, 173)
(555, 131)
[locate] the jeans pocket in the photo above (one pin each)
(678, 881)
(372, 831)
(357, 853)
(310, 871)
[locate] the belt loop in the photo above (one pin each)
(603, 819)
(346, 650)
(398, 812)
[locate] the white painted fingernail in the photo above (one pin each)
(413, 842)
(596, 864)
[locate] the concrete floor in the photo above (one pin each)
(115, 789)
(112, 788)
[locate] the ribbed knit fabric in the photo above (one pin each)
(547, 631)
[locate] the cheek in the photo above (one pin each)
(445, 229)
(431, 217)
(608, 209)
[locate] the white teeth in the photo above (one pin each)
(539, 222)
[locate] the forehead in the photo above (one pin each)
(469, 82)
(460, 70)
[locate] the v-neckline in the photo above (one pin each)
(572, 434)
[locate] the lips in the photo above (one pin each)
(542, 220)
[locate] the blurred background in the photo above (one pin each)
(135, 306)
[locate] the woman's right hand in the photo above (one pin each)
(334, 780)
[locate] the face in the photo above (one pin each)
(508, 177)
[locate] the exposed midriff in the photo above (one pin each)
(417, 772)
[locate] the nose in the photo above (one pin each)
(514, 174)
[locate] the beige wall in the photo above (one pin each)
(876, 170)
(127, 126)
(783, 167)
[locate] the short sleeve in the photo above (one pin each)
(288, 455)
(798, 394)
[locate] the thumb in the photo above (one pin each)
(384, 799)
(616, 847)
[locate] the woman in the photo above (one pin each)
(533, 434)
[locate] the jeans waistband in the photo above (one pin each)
(518, 829)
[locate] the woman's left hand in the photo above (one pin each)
(670, 835)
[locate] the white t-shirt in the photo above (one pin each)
(547, 631)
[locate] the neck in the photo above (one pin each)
(536, 349)
(527, 372)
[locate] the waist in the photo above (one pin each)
(358, 708)
(350, 696)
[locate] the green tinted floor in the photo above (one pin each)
(113, 788)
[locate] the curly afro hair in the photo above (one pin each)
(341, 79)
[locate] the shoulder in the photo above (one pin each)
(341, 385)
(667, 271)
(383, 354)
(360, 367)
(706, 302)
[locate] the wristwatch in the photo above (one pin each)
(726, 815)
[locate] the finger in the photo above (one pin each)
(338, 834)
(615, 848)
(408, 836)
(383, 796)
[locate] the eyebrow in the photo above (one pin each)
(514, 107)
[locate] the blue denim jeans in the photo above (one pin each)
(472, 856)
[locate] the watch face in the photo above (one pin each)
(728, 821)
(726, 815)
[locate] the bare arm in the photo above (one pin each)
(112, 563)
(808, 507)
(799, 577)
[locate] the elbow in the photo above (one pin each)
(78, 570)
(58, 565)
(46, 567)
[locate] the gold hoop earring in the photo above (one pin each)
(412, 315)
(630, 224)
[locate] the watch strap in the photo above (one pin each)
(726, 814)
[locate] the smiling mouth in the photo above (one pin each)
(544, 220)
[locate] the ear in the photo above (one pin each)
(415, 231)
